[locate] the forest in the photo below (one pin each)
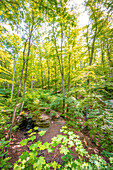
(56, 84)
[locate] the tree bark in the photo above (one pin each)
(48, 73)
(55, 78)
(62, 72)
(68, 79)
(109, 60)
(90, 62)
(92, 49)
(60, 60)
(87, 40)
(26, 70)
(13, 117)
(41, 71)
(102, 57)
(13, 77)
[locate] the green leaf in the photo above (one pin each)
(32, 138)
(46, 145)
(38, 163)
(36, 128)
(33, 133)
(111, 160)
(50, 150)
(39, 143)
(33, 155)
(71, 143)
(64, 150)
(23, 156)
(24, 142)
(33, 147)
(29, 131)
(55, 165)
(41, 133)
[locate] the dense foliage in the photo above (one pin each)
(49, 61)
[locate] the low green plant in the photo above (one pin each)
(31, 160)
(5, 92)
(53, 114)
(4, 123)
(56, 103)
(63, 143)
(45, 96)
(4, 164)
(107, 154)
(102, 128)
(36, 112)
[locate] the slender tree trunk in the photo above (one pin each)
(44, 78)
(13, 117)
(90, 62)
(26, 70)
(60, 64)
(13, 77)
(92, 49)
(63, 94)
(62, 74)
(48, 73)
(55, 77)
(87, 40)
(41, 71)
(102, 59)
(109, 60)
(68, 80)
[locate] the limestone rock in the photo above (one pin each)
(42, 121)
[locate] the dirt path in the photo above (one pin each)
(15, 150)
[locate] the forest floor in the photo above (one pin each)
(15, 149)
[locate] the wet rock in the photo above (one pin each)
(26, 122)
(42, 121)
(22, 123)
(43, 129)
(29, 124)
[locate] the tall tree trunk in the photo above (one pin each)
(87, 40)
(13, 77)
(92, 49)
(102, 57)
(90, 62)
(109, 60)
(55, 77)
(26, 70)
(41, 71)
(62, 73)
(68, 79)
(44, 78)
(13, 117)
(60, 64)
(48, 73)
